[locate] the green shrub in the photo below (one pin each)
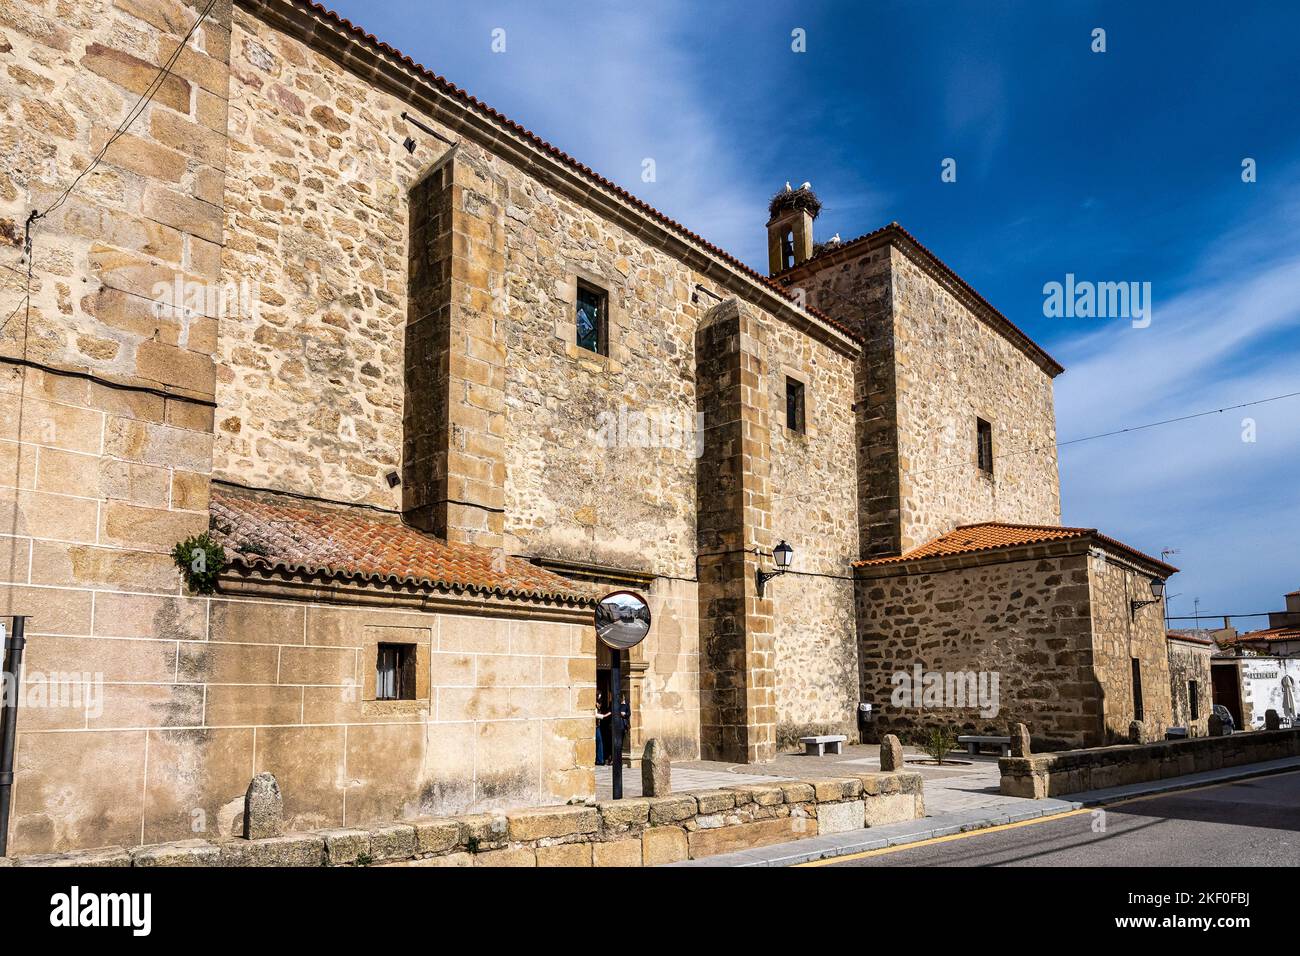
(200, 559)
(938, 742)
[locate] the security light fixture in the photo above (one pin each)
(783, 554)
(1157, 592)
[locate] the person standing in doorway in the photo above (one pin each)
(600, 737)
(624, 718)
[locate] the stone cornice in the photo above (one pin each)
(282, 584)
(416, 87)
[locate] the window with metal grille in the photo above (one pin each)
(395, 672)
(1137, 689)
(984, 445)
(592, 319)
(794, 405)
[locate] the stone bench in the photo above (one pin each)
(973, 741)
(817, 746)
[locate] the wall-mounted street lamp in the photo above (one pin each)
(1157, 592)
(783, 554)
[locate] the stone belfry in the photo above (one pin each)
(790, 227)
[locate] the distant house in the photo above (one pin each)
(1259, 670)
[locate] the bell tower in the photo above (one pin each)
(790, 227)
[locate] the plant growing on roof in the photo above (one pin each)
(200, 560)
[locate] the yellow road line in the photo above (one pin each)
(945, 839)
(1027, 823)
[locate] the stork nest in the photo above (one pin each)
(804, 199)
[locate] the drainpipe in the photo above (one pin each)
(14, 643)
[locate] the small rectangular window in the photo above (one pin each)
(593, 319)
(794, 405)
(1194, 699)
(984, 445)
(1137, 689)
(395, 672)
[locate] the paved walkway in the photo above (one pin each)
(1014, 810)
(963, 783)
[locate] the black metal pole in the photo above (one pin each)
(616, 724)
(13, 669)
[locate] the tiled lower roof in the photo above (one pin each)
(995, 535)
(290, 534)
(1272, 634)
(1191, 637)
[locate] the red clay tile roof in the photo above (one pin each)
(1033, 348)
(995, 535)
(370, 546)
(1271, 634)
(447, 86)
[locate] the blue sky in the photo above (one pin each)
(1117, 166)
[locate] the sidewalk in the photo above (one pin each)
(960, 820)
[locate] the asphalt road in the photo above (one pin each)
(1252, 822)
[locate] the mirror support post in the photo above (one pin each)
(616, 726)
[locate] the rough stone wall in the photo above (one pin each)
(1027, 620)
(952, 368)
(930, 368)
(1190, 662)
(202, 693)
(858, 294)
(1118, 637)
(814, 509)
(316, 219)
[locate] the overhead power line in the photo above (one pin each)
(1031, 449)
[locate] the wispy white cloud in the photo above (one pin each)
(1231, 507)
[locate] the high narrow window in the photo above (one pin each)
(1137, 689)
(794, 405)
(1194, 699)
(593, 319)
(984, 445)
(395, 672)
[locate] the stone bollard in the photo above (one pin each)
(1137, 732)
(1272, 721)
(263, 808)
(1020, 746)
(891, 753)
(1215, 725)
(656, 770)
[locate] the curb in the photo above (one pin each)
(915, 831)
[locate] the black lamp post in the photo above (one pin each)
(783, 554)
(1157, 592)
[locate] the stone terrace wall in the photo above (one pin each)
(632, 832)
(1026, 620)
(1073, 771)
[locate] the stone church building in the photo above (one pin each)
(441, 387)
